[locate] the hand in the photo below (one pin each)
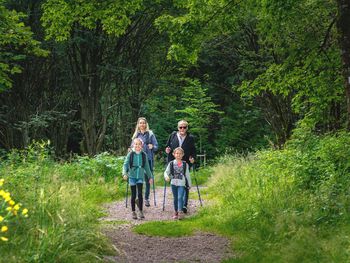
(151, 181)
(150, 146)
(129, 149)
(167, 150)
(191, 159)
(167, 179)
(125, 177)
(188, 188)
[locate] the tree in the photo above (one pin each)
(16, 42)
(86, 26)
(289, 60)
(198, 109)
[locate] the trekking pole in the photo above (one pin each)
(126, 195)
(164, 194)
(154, 190)
(195, 179)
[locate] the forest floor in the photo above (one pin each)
(133, 247)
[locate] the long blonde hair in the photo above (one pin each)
(137, 130)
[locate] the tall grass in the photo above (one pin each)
(287, 206)
(64, 203)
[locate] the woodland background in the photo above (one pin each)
(264, 85)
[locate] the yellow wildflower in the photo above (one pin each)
(1, 219)
(9, 208)
(7, 196)
(12, 202)
(24, 211)
(16, 207)
(4, 238)
(4, 228)
(1, 182)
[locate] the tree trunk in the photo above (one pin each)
(86, 60)
(343, 26)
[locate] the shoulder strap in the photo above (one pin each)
(131, 159)
(184, 164)
(143, 159)
(172, 172)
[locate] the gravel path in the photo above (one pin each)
(132, 247)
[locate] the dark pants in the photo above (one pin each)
(148, 185)
(139, 196)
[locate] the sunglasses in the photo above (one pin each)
(183, 127)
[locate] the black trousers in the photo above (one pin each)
(139, 196)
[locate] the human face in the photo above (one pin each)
(178, 155)
(142, 125)
(182, 127)
(138, 146)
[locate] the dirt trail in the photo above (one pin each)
(132, 247)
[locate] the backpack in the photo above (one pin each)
(131, 160)
(172, 169)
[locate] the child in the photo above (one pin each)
(135, 166)
(178, 171)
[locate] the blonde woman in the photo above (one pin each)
(150, 145)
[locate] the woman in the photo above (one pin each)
(150, 145)
(182, 138)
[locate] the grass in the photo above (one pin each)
(266, 205)
(64, 203)
(166, 229)
(290, 205)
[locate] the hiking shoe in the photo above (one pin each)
(176, 216)
(184, 209)
(134, 215)
(141, 215)
(147, 203)
(181, 215)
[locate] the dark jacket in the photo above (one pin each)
(188, 146)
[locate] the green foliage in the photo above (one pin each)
(242, 129)
(61, 16)
(190, 23)
(198, 109)
(64, 205)
(16, 42)
(103, 164)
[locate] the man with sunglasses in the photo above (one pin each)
(182, 138)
